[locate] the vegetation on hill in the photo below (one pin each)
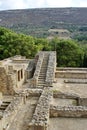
(38, 22)
(69, 52)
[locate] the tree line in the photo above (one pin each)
(70, 53)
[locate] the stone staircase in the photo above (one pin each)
(42, 75)
(4, 105)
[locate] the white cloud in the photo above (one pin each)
(12, 4)
(59, 3)
(21, 4)
(83, 3)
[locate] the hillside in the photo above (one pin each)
(38, 22)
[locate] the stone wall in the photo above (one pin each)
(34, 80)
(40, 118)
(68, 111)
(76, 81)
(59, 94)
(50, 75)
(31, 92)
(8, 115)
(30, 70)
(3, 81)
(70, 69)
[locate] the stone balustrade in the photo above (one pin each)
(34, 80)
(50, 75)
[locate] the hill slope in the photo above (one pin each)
(37, 22)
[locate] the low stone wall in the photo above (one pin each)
(76, 81)
(50, 75)
(59, 94)
(40, 118)
(70, 69)
(8, 115)
(68, 111)
(71, 74)
(31, 92)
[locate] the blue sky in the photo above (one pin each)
(23, 4)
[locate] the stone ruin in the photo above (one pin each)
(34, 92)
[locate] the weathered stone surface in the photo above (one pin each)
(41, 114)
(51, 69)
(68, 111)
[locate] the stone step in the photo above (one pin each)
(6, 102)
(42, 69)
(45, 66)
(41, 77)
(4, 105)
(42, 74)
(2, 108)
(41, 80)
(41, 83)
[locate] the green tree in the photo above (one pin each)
(69, 54)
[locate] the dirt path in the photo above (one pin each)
(24, 115)
(67, 124)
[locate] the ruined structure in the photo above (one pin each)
(35, 95)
